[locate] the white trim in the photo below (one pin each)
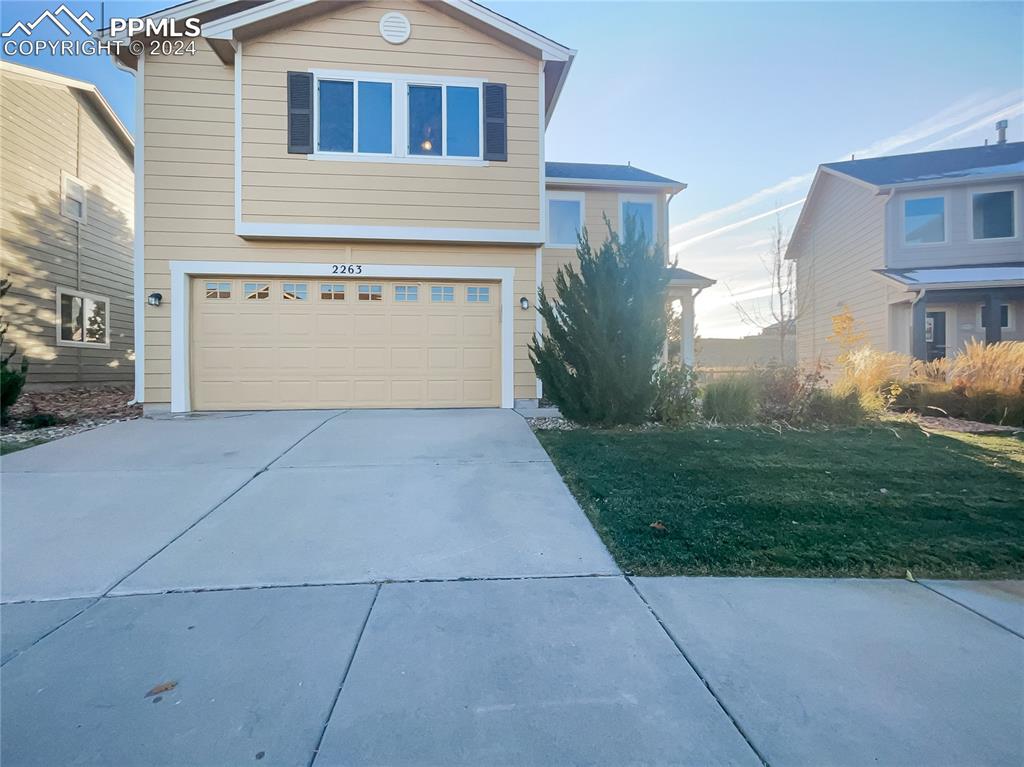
(611, 183)
(541, 163)
(238, 138)
(398, 233)
(182, 271)
(1014, 189)
(655, 214)
(223, 29)
(139, 244)
(538, 320)
(400, 84)
(61, 291)
(65, 179)
(902, 212)
(578, 197)
(551, 50)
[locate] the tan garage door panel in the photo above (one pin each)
(260, 343)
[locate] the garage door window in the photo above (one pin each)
(371, 293)
(478, 295)
(256, 291)
(442, 294)
(295, 291)
(218, 290)
(332, 291)
(406, 293)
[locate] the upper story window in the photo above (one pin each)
(924, 220)
(993, 214)
(565, 218)
(73, 197)
(355, 113)
(386, 117)
(642, 211)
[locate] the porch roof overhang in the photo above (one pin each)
(683, 282)
(966, 277)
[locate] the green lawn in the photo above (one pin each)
(757, 502)
(14, 447)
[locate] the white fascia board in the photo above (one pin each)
(652, 186)
(182, 271)
(550, 50)
(388, 233)
(223, 29)
(177, 12)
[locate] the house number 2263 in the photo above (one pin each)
(346, 268)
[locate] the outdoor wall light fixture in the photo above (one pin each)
(524, 303)
(154, 299)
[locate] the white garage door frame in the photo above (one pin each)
(183, 271)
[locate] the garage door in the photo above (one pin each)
(303, 343)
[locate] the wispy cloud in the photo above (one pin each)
(731, 237)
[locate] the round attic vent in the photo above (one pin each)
(395, 27)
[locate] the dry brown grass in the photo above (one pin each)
(984, 367)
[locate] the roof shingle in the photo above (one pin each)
(974, 161)
(586, 171)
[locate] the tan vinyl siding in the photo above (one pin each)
(843, 243)
(48, 128)
(282, 188)
(189, 209)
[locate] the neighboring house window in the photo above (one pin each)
(73, 197)
(256, 291)
(1004, 316)
(406, 293)
(642, 211)
(439, 118)
(993, 214)
(924, 220)
(81, 319)
(371, 293)
(442, 294)
(334, 291)
(478, 295)
(565, 219)
(218, 290)
(295, 291)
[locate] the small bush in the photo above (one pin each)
(989, 368)
(731, 400)
(12, 379)
(944, 400)
(784, 393)
(39, 420)
(676, 401)
(834, 408)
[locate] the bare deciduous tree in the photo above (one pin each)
(781, 313)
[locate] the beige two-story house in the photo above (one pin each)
(925, 251)
(348, 204)
(66, 205)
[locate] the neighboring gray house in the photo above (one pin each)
(924, 250)
(66, 204)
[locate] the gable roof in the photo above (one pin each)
(594, 174)
(226, 20)
(90, 91)
(946, 164)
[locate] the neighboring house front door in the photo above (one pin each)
(935, 335)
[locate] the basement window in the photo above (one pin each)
(82, 319)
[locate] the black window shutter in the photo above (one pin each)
(495, 122)
(300, 112)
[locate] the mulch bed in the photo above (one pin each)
(76, 409)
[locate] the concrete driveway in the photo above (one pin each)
(420, 588)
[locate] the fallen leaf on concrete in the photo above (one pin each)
(162, 687)
(659, 525)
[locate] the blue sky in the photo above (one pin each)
(741, 101)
